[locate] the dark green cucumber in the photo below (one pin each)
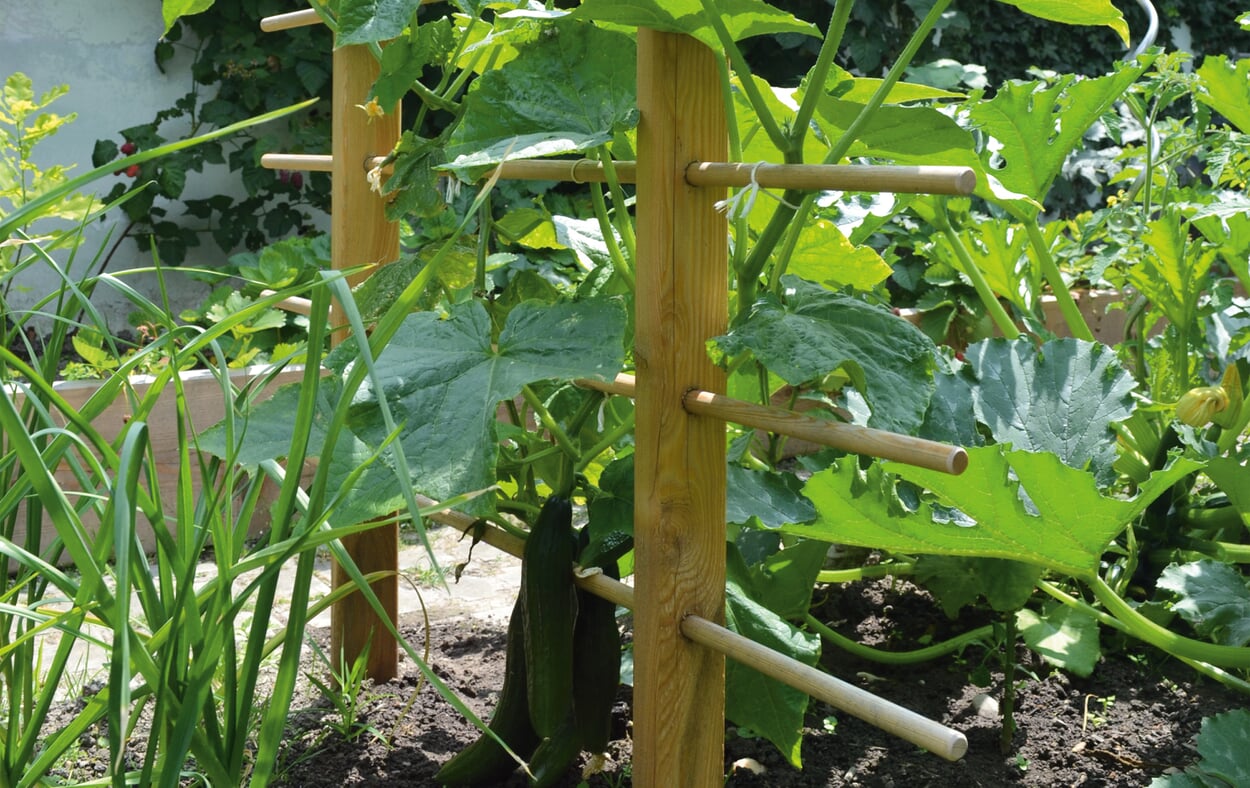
(555, 755)
(550, 610)
(484, 762)
(596, 667)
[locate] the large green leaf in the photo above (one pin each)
(813, 332)
(1212, 597)
(566, 92)
(1036, 125)
(1076, 12)
(1065, 637)
(1234, 480)
(1066, 529)
(773, 498)
(743, 18)
(443, 379)
(370, 21)
(1227, 88)
(753, 700)
(823, 254)
(1061, 397)
(1171, 272)
(172, 9)
(957, 581)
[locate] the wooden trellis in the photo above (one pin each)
(681, 409)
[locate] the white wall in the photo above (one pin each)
(103, 50)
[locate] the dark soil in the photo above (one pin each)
(1132, 720)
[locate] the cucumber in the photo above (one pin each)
(596, 667)
(484, 762)
(555, 755)
(550, 610)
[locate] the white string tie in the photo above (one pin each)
(741, 203)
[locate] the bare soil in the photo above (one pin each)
(1135, 718)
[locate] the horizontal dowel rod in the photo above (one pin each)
(890, 717)
(296, 304)
(804, 177)
(848, 437)
(287, 21)
(309, 162)
(842, 177)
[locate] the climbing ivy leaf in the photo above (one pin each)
(443, 380)
(1060, 398)
(1066, 529)
(813, 332)
(1212, 597)
(565, 92)
(743, 18)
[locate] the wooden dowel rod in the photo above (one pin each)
(310, 162)
(573, 171)
(848, 437)
(805, 177)
(890, 717)
(296, 304)
(843, 177)
(288, 21)
(304, 18)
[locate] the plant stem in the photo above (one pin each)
(745, 77)
(1009, 683)
(549, 423)
(819, 74)
(1143, 628)
(970, 269)
(913, 657)
(1050, 271)
(619, 262)
(624, 225)
(863, 573)
(605, 442)
(784, 215)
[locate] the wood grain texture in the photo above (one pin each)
(360, 234)
(679, 490)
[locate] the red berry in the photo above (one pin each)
(133, 170)
(297, 180)
(284, 176)
(129, 148)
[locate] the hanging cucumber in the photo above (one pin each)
(550, 610)
(555, 755)
(596, 667)
(484, 762)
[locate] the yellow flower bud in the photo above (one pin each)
(1231, 384)
(1198, 405)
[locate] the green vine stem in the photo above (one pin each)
(785, 215)
(970, 269)
(1143, 628)
(863, 573)
(1050, 272)
(604, 443)
(623, 223)
(1205, 668)
(713, 15)
(548, 421)
(926, 654)
(619, 262)
(1008, 653)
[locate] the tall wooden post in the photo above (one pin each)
(679, 497)
(360, 233)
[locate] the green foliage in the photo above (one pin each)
(1221, 745)
(1212, 597)
(236, 71)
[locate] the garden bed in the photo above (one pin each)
(1135, 718)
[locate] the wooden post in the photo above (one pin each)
(360, 233)
(682, 300)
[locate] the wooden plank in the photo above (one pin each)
(679, 492)
(359, 234)
(206, 405)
